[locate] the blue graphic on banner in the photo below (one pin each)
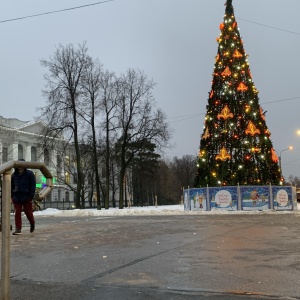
(255, 197)
(282, 198)
(223, 198)
(198, 199)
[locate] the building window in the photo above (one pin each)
(67, 196)
(59, 164)
(33, 154)
(46, 157)
(67, 178)
(4, 154)
(20, 151)
(68, 161)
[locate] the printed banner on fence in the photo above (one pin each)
(282, 198)
(241, 197)
(223, 198)
(255, 197)
(198, 199)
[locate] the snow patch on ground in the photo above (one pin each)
(149, 210)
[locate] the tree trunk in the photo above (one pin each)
(107, 173)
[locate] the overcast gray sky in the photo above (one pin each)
(174, 43)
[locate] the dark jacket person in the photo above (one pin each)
(22, 192)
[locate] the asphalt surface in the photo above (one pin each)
(158, 257)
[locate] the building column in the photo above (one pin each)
(14, 151)
(27, 154)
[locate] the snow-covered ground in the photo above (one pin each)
(148, 210)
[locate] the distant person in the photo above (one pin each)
(22, 192)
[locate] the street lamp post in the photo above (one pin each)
(279, 158)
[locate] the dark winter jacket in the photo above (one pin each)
(22, 186)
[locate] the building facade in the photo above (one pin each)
(24, 139)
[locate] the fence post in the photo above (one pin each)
(207, 199)
(239, 204)
(271, 197)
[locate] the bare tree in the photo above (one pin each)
(101, 94)
(110, 94)
(166, 187)
(80, 96)
(91, 86)
(292, 180)
(65, 71)
(114, 172)
(138, 120)
(185, 170)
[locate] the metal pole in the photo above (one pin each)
(5, 254)
(279, 158)
(280, 163)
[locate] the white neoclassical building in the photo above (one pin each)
(23, 139)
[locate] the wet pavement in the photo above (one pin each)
(255, 256)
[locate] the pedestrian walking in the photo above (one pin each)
(22, 192)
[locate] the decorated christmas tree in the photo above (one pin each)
(235, 147)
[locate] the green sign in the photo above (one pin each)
(43, 179)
